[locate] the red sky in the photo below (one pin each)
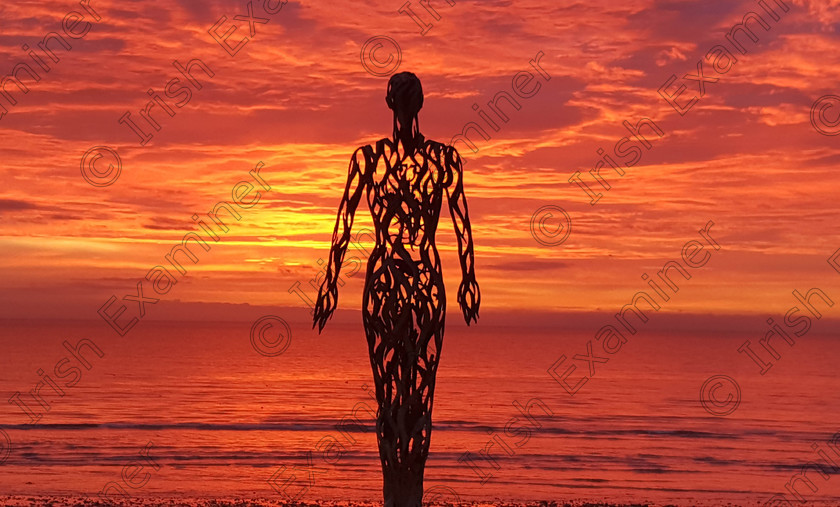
(297, 98)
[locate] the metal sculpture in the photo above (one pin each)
(404, 302)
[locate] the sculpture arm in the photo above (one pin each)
(356, 183)
(469, 296)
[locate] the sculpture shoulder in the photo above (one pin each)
(384, 146)
(364, 158)
(452, 155)
(438, 150)
(450, 161)
(364, 151)
(445, 155)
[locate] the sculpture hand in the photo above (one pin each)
(469, 298)
(324, 307)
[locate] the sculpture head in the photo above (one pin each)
(404, 97)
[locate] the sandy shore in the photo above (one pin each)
(77, 501)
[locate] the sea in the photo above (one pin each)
(192, 409)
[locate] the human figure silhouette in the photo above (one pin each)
(404, 301)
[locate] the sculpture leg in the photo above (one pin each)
(404, 359)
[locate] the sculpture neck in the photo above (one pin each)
(407, 137)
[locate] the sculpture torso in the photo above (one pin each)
(405, 196)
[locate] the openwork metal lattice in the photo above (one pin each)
(404, 301)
